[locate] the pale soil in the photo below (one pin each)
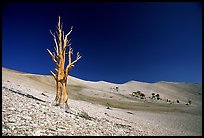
(27, 109)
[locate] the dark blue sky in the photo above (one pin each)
(119, 42)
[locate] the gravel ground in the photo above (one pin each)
(26, 115)
(28, 111)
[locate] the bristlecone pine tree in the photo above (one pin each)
(59, 57)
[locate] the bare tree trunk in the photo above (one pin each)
(58, 94)
(59, 57)
(65, 98)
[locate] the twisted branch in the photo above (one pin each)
(53, 74)
(71, 64)
(53, 57)
(56, 48)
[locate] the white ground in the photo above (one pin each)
(149, 117)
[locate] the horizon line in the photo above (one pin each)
(105, 80)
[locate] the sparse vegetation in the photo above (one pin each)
(117, 88)
(142, 95)
(6, 126)
(129, 112)
(169, 101)
(108, 106)
(153, 95)
(189, 102)
(85, 115)
(157, 95)
(138, 94)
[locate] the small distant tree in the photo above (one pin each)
(59, 57)
(116, 88)
(137, 94)
(142, 95)
(189, 102)
(153, 95)
(157, 95)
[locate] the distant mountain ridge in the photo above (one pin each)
(131, 81)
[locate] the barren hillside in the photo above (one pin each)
(97, 106)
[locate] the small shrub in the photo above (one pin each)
(6, 126)
(117, 88)
(129, 112)
(157, 95)
(142, 95)
(137, 94)
(85, 115)
(108, 106)
(153, 95)
(189, 102)
(177, 101)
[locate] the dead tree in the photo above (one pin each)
(59, 57)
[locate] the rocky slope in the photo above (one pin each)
(24, 114)
(97, 108)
